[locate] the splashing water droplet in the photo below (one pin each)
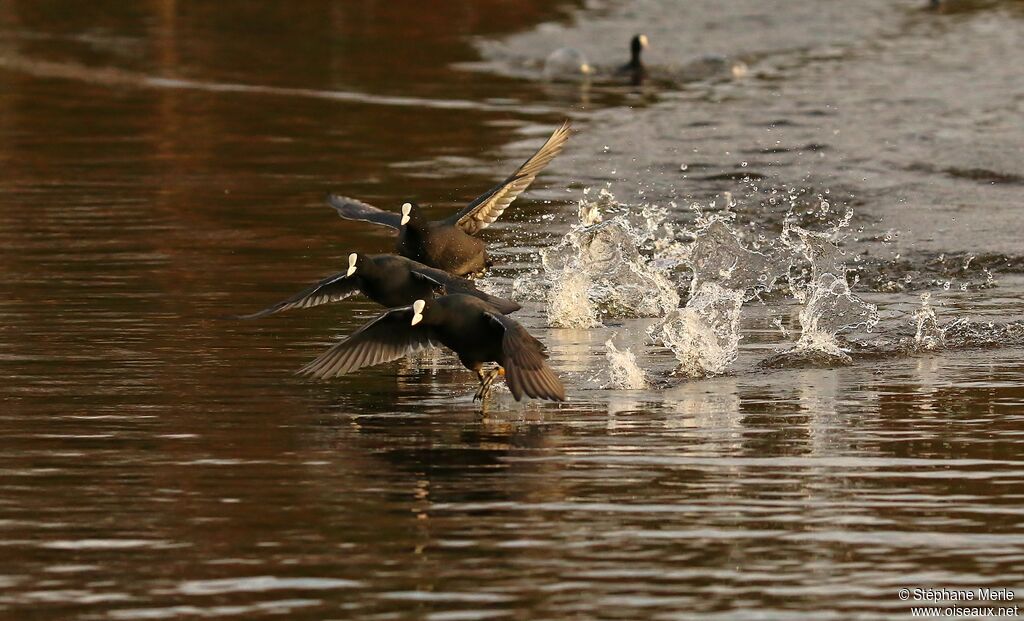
(832, 308)
(597, 269)
(929, 335)
(623, 369)
(704, 336)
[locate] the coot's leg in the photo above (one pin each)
(486, 381)
(480, 393)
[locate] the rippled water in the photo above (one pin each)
(163, 165)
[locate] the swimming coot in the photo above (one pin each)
(634, 69)
(567, 63)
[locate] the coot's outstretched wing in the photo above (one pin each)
(330, 289)
(454, 284)
(388, 337)
(526, 371)
(351, 209)
(489, 206)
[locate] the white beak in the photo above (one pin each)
(352, 258)
(417, 311)
(406, 208)
(644, 43)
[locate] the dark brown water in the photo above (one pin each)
(162, 164)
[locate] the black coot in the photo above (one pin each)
(634, 69)
(470, 327)
(450, 244)
(387, 279)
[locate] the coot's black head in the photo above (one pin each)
(411, 212)
(637, 45)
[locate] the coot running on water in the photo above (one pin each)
(387, 279)
(450, 244)
(470, 327)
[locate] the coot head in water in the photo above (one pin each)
(468, 326)
(567, 63)
(636, 46)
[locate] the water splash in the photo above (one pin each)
(623, 369)
(623, 261)
(929, 335)
(830, 307)
(704, 335)
(597, 270)
(717, 255)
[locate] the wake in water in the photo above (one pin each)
(113, 76)
(619, 263)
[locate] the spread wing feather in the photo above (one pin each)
(330, 289)
(386, 338)
(489, 206)
(352, 209)
(526, 369)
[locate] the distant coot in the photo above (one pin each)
(387, 279)
(634, 69)
(467, 325)
(450, 244)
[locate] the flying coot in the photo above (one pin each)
(467, 325)
(450, 244)
(387, 279)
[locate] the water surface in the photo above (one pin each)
(162, 164)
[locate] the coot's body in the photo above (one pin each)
(389, 280)
(450, 244)
(469, 326)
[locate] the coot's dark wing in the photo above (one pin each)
(526, 371)
(454, 284)
(386, 338)
(489, 206)
(330, 289)
(351, 209)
